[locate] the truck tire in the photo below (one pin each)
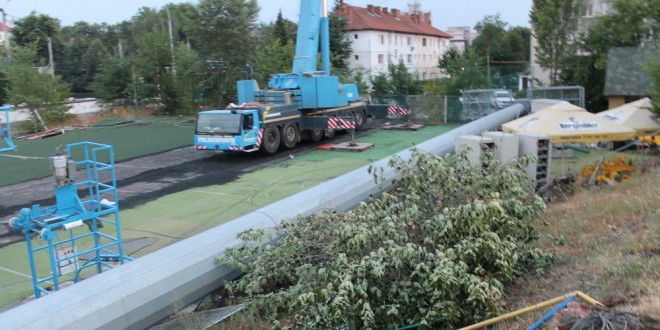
(359, 118)
(329, 133)
(316, 135)
(271, 140)
(290, 136)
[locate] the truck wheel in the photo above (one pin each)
(359, 119)
(316, 135)
(290, 136)
(329, 133)
(271, 140)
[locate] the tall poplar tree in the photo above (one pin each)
(554, 24)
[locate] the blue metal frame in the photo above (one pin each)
(5, 132)
(99, 209)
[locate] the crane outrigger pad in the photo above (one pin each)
(352, 146)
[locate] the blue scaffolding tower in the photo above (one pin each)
(73, 251)
(5, 132)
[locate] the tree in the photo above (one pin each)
(4, 88)
(554, 25)
(183, 23)
(340, 46)
(491, 32)
(84, 50)
(36, 29)
(113, 81)
(283, 30)
(398, 81)
(358, 77)
(448, 58)
(465, 71)
(224, 29)
(41, 93)
(631, 23)
(153, 63)
(187, 85)
(272, 58)
(653, 68)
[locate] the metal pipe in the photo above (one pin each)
(532, 308)
(551, 313)
(147, 290)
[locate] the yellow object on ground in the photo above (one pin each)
(613, 169)
(532, 308)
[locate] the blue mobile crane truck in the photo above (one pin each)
(305, 103)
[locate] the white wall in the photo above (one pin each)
(375, 50)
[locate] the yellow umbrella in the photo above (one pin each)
(567, 123)
(635, 115)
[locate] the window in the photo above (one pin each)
(409, 58)
(424, 42)
(381, 58)
(355, 36)
(357, 57)
(248, 122)
(409, 41)
(382, 39)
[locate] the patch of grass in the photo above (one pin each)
(612, 249)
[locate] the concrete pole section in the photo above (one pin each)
(145, 291)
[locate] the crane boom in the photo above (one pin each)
(307, 38)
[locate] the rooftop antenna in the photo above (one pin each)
(414, 7)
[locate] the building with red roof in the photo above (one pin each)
(4, 29)
(381, 36)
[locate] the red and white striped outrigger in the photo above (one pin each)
(395, 110)
(340, 123)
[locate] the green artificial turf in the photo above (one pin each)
(30, 159)
(177, 216)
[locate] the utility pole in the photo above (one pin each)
(5, 34)
(169, 26)
(135, 99)
(51, 61)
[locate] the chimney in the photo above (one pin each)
(396, 12)
(427, 18)
(370, 8)
(343, 9)
(377, 10)
(385, 10)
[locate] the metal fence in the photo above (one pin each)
(429, 109)
(572, 94)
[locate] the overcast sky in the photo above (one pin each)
(445, 13)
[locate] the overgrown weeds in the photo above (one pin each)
(611, 249)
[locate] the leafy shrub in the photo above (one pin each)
(438, 245)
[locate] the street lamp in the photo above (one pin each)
(51, 62)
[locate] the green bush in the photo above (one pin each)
(438, 245)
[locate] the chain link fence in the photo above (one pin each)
(429, 109)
